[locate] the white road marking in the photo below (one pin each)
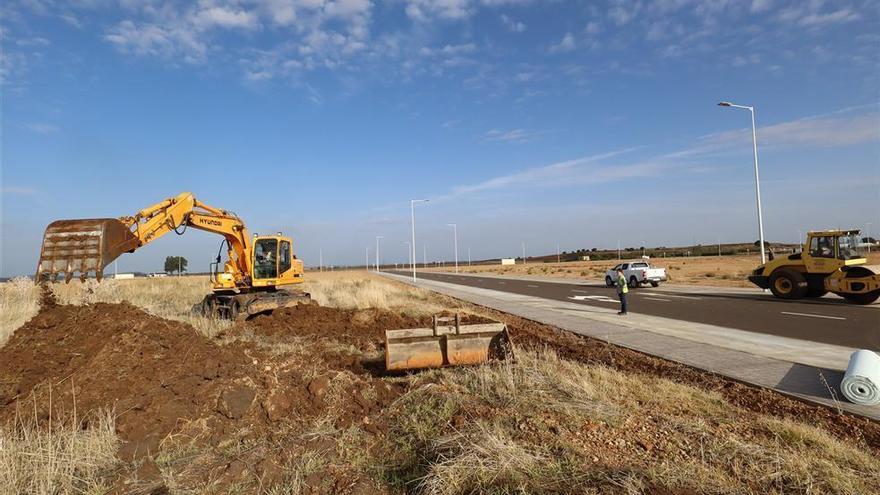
(594, 298)
(535, 286)
(814, 316)
(671, 295)
(656, 299)
(584, 291)
(502, 282)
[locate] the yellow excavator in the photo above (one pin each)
(830, 261)
(257, 276)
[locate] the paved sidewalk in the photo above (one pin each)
(791, 366)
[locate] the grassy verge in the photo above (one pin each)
(546, 424)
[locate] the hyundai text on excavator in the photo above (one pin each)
(831, 261)
(256, 277)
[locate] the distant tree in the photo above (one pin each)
(594, 250)
(175, 263)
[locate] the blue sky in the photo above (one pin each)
(581, 123)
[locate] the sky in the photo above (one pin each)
(578, 124)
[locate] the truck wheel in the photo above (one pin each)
(866, 298)
(633, 282)
(788, 284)
(608, 281)
(655, 284)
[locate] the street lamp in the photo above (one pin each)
(757, 177)
(367, 258)
(455, 239)
(377, 251)
(412, 247)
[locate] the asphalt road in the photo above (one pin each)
(827, 320)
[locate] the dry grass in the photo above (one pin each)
(59, 456)
(19, 302)
(725, 271)
(546, 424)
(361, 290)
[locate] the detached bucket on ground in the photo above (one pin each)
(82, 246)
(446, 343)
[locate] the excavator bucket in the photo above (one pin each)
(446, 343)
(82, 246)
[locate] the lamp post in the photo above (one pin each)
(424, 256)
(868, 235)
(757, 176)
(377, 251)
(455, 240)
(412, 247)
(367, 258)
(524, 252)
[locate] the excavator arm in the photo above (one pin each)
(88, 246)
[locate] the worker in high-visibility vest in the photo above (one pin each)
(622, 289)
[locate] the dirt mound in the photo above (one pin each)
(161, 375)
(357, 327)
(154, 372)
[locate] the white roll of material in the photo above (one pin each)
(861, 383)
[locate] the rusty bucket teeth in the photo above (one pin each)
(83, 247)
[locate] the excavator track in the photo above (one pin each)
(242, 306)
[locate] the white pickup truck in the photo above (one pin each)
(636, 274)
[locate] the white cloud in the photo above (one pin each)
(226, 18)
(36, 41)
(592, 28)
(566, 44)
(41, 128)
(155, 40)
(760, 5)
(838, 16)
(623, 12)
(280, 12)
(513, 135)
(579, 170)
(347, 8)
(18, 190)
(422, 10)
(828, 131)
(512, 25)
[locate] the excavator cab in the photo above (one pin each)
(274, 262)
